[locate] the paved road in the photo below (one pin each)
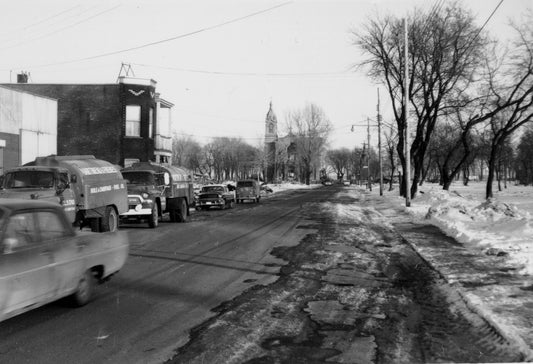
(309, 276)
(173, 278)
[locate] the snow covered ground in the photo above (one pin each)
(502, 226)
(291, 186)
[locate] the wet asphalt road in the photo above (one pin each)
(174, 276)
(303, 277)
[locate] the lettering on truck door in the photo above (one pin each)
(67, 197)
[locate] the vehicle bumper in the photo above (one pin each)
(137, 206)
(210, 203)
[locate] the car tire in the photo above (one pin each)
(231, 204)
(110, 220)
(84, 290)
(153, 219)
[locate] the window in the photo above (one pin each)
(50, 225)
(133, 120)
(151, 123)
(20, 232)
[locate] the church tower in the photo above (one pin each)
(271, 138)
(271, 126)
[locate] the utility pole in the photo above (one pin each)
(361, 166)
(368, 160)
(379, 151)
(407, 172)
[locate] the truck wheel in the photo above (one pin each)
(153, 219)
(183, 211)
(84, 290)
(110, 220)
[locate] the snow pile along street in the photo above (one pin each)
(495, 226)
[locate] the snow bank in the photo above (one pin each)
(496, 227)
(291, 186)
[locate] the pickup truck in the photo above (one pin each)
(42, 258)
(215, 196)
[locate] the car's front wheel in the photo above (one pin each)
(84, 289)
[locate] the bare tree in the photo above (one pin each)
(339, 159)
(523, 160)
(391, 140)
(511, 84)
(445, 50)
(310, 128)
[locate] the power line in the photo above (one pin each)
(61, 29)
(40, 21)
(340, 73)
(218, 25)
(485, 23)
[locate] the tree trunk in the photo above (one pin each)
(490, 178)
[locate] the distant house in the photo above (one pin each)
(28, 127)
(122, 123)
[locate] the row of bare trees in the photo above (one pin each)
(232, 158)
(461, 84)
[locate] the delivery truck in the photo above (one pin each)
(155, 189)
(92, 191)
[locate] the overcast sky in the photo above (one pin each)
(220, 62)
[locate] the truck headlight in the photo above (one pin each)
(145, 195)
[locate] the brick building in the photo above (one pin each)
(122, 123)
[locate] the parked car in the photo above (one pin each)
(42, 258)
(248, 189)
(346, 182)
(327, 183)
(215, 196)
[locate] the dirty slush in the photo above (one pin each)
(352, 291)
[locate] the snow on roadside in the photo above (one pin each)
(277, 187)
(496, 227)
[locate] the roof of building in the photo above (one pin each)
(14, 89)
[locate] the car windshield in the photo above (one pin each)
(212, 189)
(139, 178)
(26, 179)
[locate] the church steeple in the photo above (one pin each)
(271, 126)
